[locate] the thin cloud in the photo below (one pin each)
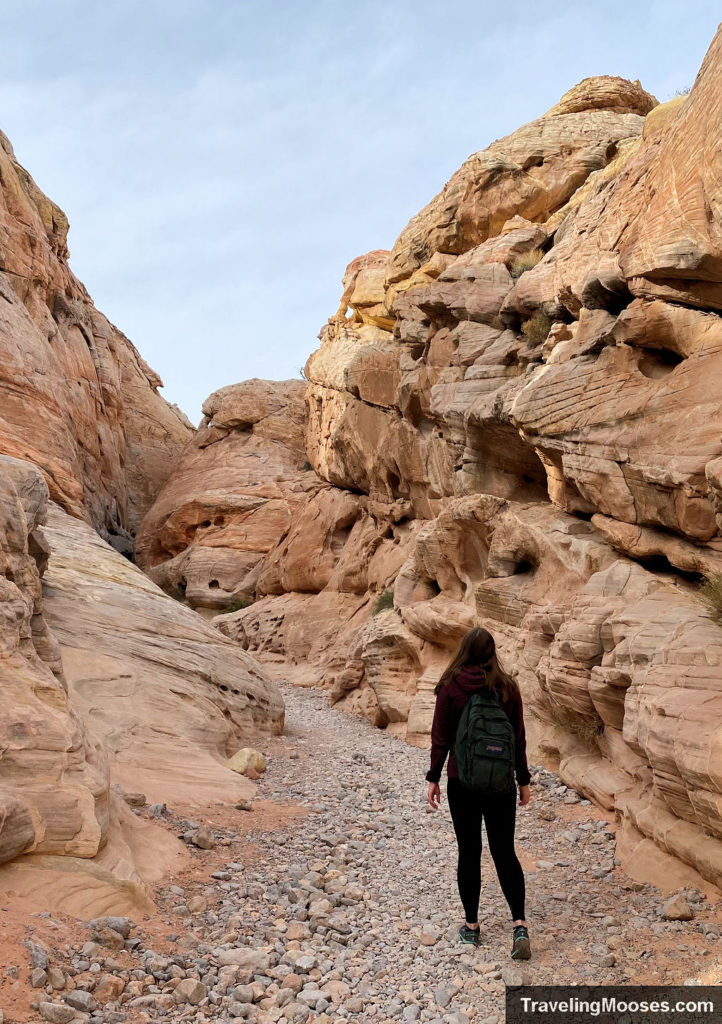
(222, 162)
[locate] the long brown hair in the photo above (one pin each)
(478, 648)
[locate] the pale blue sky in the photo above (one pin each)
(222, 162)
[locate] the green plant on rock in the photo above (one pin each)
(536, 329)
(526, 261)
(236, 605)
(710, 591)
(384, 601)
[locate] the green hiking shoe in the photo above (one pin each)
(521, 949)
(469, 935)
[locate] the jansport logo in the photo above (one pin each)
(494, 748)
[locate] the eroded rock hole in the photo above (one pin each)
(497, 461)
(658, 362)
(525, 565)
(339, 537)
(661, 565)
(613, 295)
(393, 483)
(416, 350)
(213, 584)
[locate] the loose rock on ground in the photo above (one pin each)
(349, 912)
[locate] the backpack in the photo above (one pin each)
(485, 745)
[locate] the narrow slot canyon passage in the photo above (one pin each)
(336, 899)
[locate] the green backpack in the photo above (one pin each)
(485, 745)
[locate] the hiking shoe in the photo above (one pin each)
(469, 935)
(521, 950)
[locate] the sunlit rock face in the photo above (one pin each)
(513, 420)
(54, 783)
(76, 398)
(168, 697)
(106, 681)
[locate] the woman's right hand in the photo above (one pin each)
(434, 795)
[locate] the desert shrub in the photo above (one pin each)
(526, 261)
(682, 92)
(711, 593)
(384, 601)
(536, 329)
(588, 730)
(236, 605)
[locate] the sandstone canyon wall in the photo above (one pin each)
(514, 419)
(54, 779)
(78, 401)
(107, 682)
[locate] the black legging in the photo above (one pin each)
(499, 812)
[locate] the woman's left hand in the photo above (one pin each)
(434, 795)
(524, 795)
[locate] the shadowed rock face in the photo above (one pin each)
(516, 417)
(76, 398)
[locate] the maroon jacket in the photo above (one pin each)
(450, 703)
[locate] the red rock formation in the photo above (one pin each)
(516, 415)
(77, 400)
(104, 678)
(530, 173)
(54, 788)
(233, 496)
(103, 653)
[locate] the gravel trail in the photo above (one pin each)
(347, 909)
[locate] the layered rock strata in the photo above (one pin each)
(168, 698)
(54, 782)
(518, 406)
(108, 682)
(76, 398)
(234, 494)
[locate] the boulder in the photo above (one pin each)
(677, 908)
(247, 758)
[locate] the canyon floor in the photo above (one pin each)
(334, 899)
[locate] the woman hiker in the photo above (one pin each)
(492, 746)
